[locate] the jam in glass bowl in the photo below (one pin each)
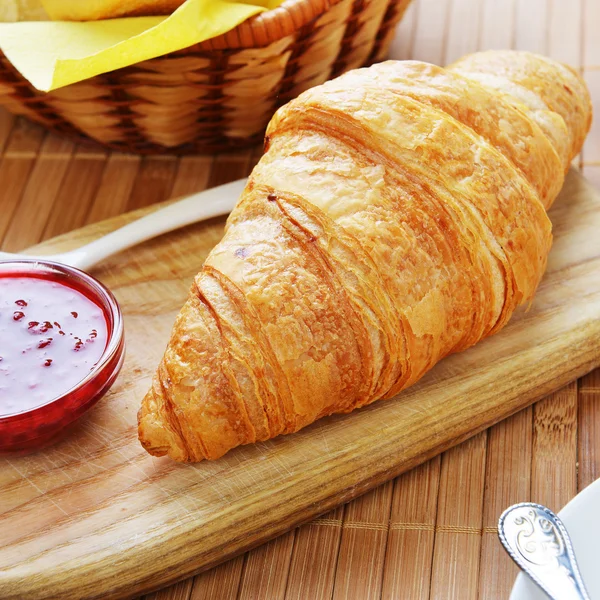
(61, 348)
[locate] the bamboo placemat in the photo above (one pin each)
(431, 532)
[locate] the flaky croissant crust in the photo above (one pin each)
(397, 215)
(93, 10)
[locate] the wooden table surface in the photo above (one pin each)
(443, 543)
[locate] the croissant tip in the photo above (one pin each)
(150, 445)
(145, 438)
(154, 437)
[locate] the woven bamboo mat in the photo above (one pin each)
(431, 532)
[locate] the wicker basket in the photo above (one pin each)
(219, 94)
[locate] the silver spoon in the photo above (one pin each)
(537, 540)
(211, 203)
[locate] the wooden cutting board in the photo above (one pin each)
(96, 517)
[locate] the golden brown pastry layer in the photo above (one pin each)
(397, 215)
(93, 10)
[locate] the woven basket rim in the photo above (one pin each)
(271, 25)
(276, 40)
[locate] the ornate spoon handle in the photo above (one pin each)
(538, 542)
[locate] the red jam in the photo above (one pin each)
(51, 337)
(61, 347)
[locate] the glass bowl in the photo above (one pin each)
(45, 424)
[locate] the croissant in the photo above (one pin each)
(92, 10)
(397, 215)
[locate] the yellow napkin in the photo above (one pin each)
(52, 54)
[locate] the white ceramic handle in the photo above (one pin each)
(211, 203)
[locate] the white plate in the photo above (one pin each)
(581, 517)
